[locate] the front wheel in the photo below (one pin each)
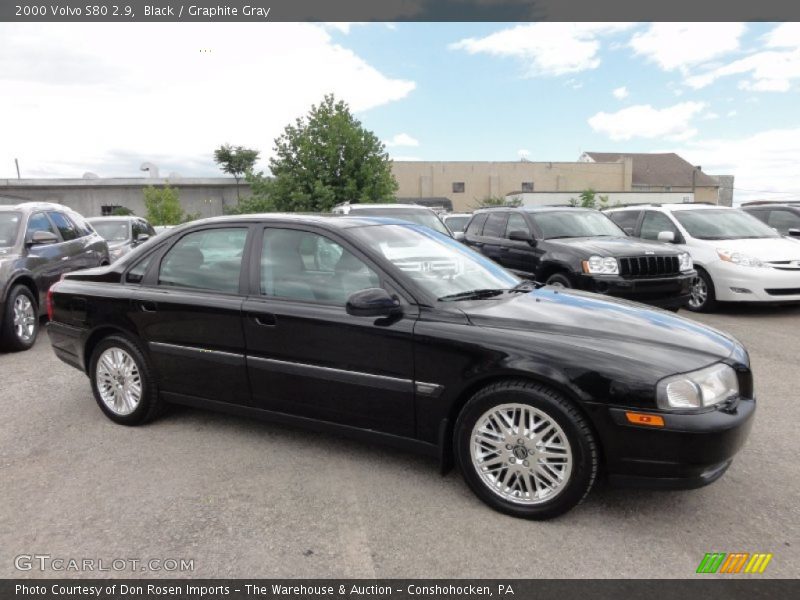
(703, 297)
(525, 450)
(559, 280)
(122, 382)
(20, 321)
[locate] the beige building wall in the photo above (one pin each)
(420, 179)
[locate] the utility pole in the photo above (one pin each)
(694, 181)
(16, 162)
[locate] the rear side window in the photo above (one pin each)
(495, 225)
(81, 226)
(626, 219)
(475, 226)
(136, 274)
(39, 222)
(65, 227)
(208, 260)
(654, 223)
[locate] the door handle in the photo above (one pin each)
(147, 306)
(265, 319)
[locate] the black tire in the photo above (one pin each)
(9, 340)
(149, 405)
(559, 280)
(710, 303)
(556, 407)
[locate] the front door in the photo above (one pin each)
(188, 309)
(306, 356)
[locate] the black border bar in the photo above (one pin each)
(397, 10)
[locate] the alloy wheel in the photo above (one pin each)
(118, 381)
(698, 293)
(521, 453)
(24, 318)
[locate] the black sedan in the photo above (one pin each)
(390, 331)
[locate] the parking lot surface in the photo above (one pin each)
(249, 499)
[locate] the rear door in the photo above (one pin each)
(188, 309)
(493, 237)
(71, 247)
(306, 356)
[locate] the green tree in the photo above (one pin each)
(163, 206)
(261, 200)
(589, 199)
(490, 201)
(326, 158)
(121, 211)
(236, 161)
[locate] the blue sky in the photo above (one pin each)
(93, 98)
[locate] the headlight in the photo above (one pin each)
(737, 258)
(686, 262)
(599, 265)
(698, 389)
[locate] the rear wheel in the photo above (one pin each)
(703, 297)
(525, 450)
(20, 324)
(560, 280)
(123, 383)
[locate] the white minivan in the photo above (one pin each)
(737, 257)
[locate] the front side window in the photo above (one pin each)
(475, 226)
(516, 222)
(39, 222)
(723, 224)
(784, 220)
(626, 219)
(576, 223)
(65, 227)
(306, 266)
(438, 264)
(9, 226)
(210, 260)
(654, 223)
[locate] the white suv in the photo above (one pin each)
(737, 257)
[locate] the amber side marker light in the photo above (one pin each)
(643, 419)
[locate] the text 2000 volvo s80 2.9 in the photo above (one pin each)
(388, 330)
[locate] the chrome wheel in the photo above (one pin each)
(118, 381)
(699, 293)
(24, 318)
(521, 453)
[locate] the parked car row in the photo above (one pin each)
(39, 243)
(388, 330)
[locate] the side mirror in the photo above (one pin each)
(666, 236)
(794, 232)
(459, 236)
(142, 238)
(372, 302)
(521, 236)
(40, 238)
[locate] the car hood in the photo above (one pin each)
(766, 249)
(609, 246)
(627, 330)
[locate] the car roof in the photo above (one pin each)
(671, 207)
(32, 206)
(361, 206)
(535, 209)
(330, 221)
(792, 205)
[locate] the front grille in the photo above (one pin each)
(634, 267)
(783, 291)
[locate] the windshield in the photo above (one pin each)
(9, 227)
(437, 263)
(458, 223)
(725, 224)
(576, 223)
(421, 217)
(112, 231)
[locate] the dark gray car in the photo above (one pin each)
(123, 234)
(39, 242)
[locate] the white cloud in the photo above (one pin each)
(620, 93)
(105, 97)
(401, 139)
(524, 153)
(732, 113)
(644, 121)
(546, 48)
(773, 69)
(681, 45)
(765, 164)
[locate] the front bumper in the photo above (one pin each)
(665, 292)
(733, 283)
(691, 450)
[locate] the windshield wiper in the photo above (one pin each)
(473, 295)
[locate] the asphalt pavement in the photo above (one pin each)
(241, 498)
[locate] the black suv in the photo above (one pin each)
(783, 217)
(581, 248)
(39, 242)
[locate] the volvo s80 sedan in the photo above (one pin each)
(387, 330)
